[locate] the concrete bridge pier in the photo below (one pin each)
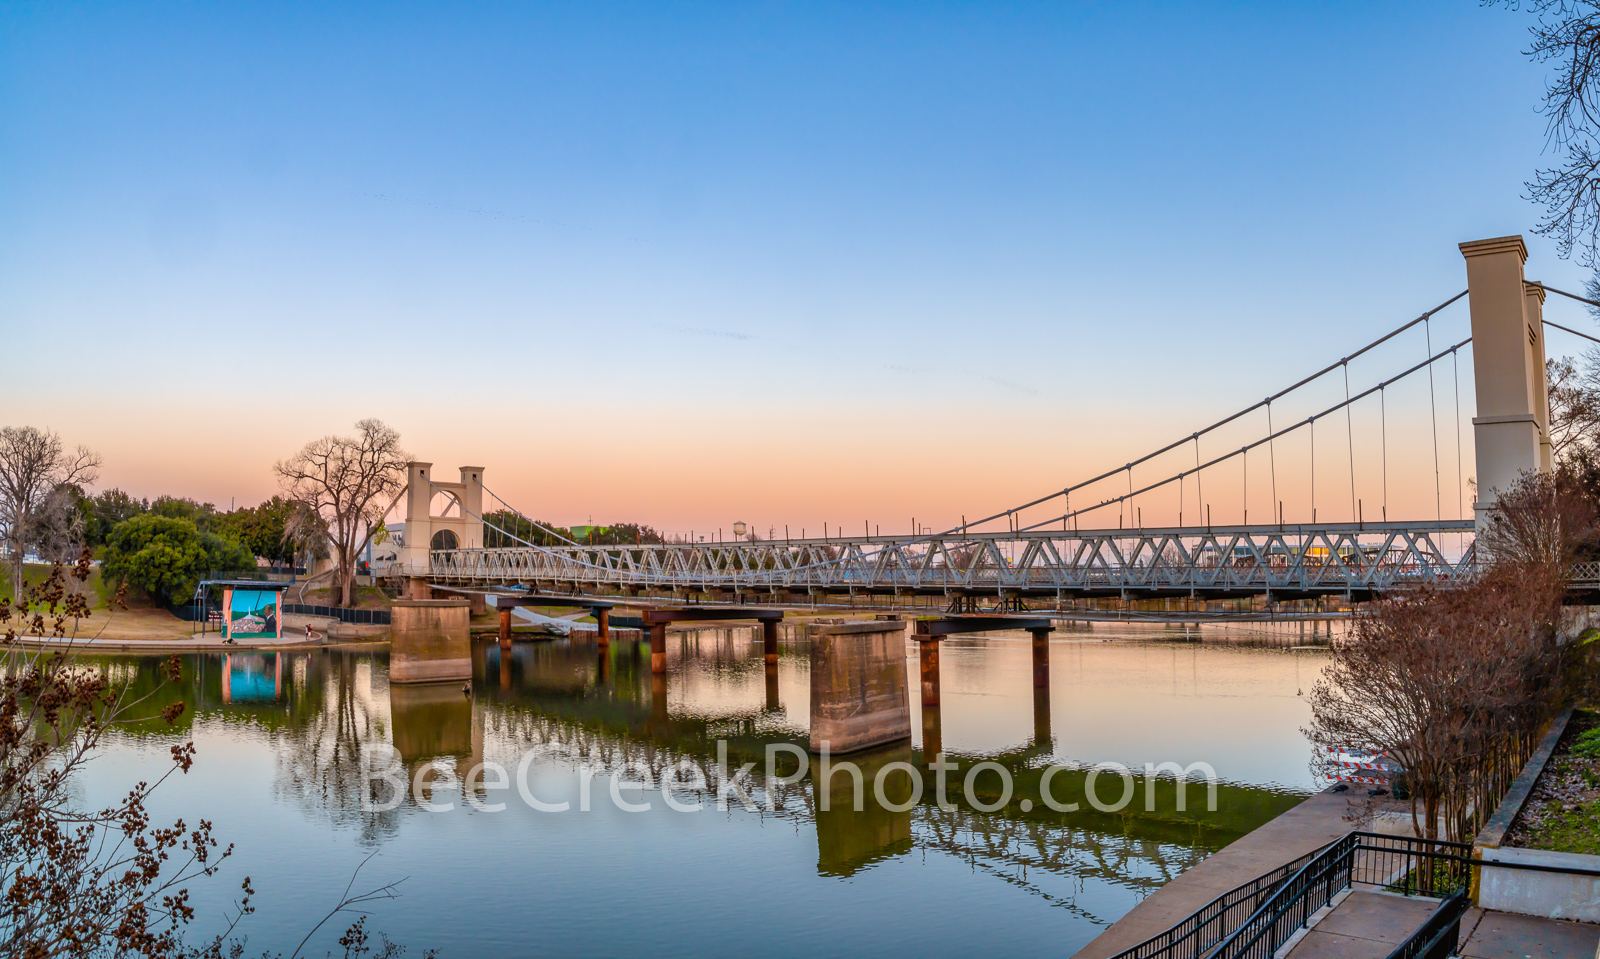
(429, 641)
(602, 618)
(1041, 658)
(858, 686)
(769, 641)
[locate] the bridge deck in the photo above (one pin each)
(1350, 559)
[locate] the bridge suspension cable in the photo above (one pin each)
(1267, 403)
(1308, 421)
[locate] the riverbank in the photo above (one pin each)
(156, 631)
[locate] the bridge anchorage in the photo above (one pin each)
(1049, 553)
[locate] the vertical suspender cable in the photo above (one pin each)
(1350, 441)
(1455, 366)
(1199, 487)
(1272, 454)
(1456, 372)
(1130, 494)
(1246, 475)
(1313, 422)
(1383, 420)
(1433, 409)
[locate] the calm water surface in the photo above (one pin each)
(279, 773)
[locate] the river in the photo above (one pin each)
(280, 741)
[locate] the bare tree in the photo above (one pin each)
(1453, 684)
(1574, 407)
(81, 882)
(349, 481)
(1544, 520)
(1566, 37)
(33, 466)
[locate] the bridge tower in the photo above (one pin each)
(1512, 428)
(426, 531)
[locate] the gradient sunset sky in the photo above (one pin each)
(787, 263)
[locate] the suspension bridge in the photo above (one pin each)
(1053, 550)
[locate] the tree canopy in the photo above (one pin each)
(168, 557)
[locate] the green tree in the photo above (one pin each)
(102, 513)
(203, 515)
(168, 557)
(260, 529)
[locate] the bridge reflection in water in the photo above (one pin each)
(606, 710)
(606, 707)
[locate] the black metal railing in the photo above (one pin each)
(1438, 936)
(1256, 919)
(1195, 935)
(362, 617)
(1404, 864)
(1286, 911)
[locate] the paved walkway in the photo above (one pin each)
(1501, 935)
(1364, 925)
(1370, 925)
(1308, 826)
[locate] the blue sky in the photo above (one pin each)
(689, 263)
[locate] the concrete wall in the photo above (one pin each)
(429, 641)
(858, 686)
(1551, 894)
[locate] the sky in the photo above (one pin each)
(860, 263)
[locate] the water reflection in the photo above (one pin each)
(602, 709)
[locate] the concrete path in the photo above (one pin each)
(1308, 826)
(1363, 925)
(1370, 925)
(1501, 935)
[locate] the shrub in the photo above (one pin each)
(168, 557)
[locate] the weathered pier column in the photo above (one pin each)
(859, 697)
(429, 640)
(772, 688)
(602, 619)
(769, 640)
(658, 647)
(932, 734)
(1043, 737)
(658, 698)
(928, 646)
(505, 627)
(656, 621)
(1041, 658)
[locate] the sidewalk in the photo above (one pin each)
(1307, 827)
(1371, 925)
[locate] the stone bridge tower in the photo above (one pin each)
(459, 526)
(1512, 428)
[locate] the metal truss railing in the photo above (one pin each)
(1325, 558)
